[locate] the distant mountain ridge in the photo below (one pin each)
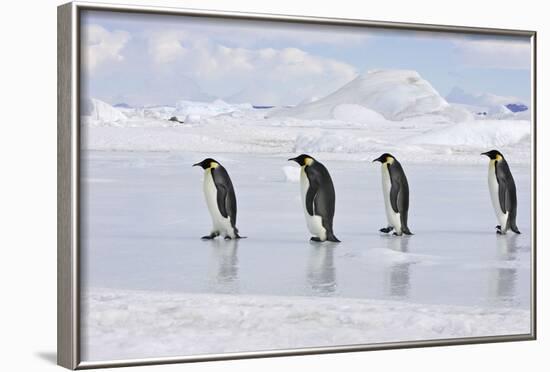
(486, 101)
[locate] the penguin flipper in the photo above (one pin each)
(221, 197)
(506, 187)
(502, 194)
(226, 199)
(507, 194)
(310, 197)
(394, 193)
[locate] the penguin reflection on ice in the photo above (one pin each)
(504, 278)
(396, 195)
(399, 271)
(220, 199)
(321, 271)
(318, 198)
(224, 276)
(503, 192)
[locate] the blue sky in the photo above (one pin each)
(159, 59)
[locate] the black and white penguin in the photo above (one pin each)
(503, 192)
(318, 198)
(396, 195)
(221, 200)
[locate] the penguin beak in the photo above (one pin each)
(484, 153)
(377, 159)
(292, 159)
(196, 164)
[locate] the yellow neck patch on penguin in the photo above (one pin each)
(498, 157)
(214, 165)
(389, 160)
(308, 161)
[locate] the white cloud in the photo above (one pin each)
(497, 54)
(296, 34)
(254, 33)
(101, 45)
(291, 74)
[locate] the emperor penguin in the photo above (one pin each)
(318, 198)
(503, 192)
(220, 199)
(396, 195)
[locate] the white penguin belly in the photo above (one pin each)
(394, 219)
(314, 223)
(502, 218)
(220, 224)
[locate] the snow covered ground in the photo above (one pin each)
(137, 324)
(153, 288)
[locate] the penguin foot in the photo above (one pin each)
(497, 227)
(386, 230)
(210, 237)
(315, 239)
(396, 234)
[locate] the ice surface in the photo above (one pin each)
(143, 214)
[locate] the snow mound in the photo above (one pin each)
(356, 113)
(192, 119)
(150, 112)
(292, 174)
(394, 94)
(309, 100)
(96, 111)
(481, 133)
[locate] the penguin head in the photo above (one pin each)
(303, 160)
(207, 164)
(493, 155)
(385, 158)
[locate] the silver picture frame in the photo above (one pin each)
(68, 178)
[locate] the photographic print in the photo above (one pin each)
(254, 185)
